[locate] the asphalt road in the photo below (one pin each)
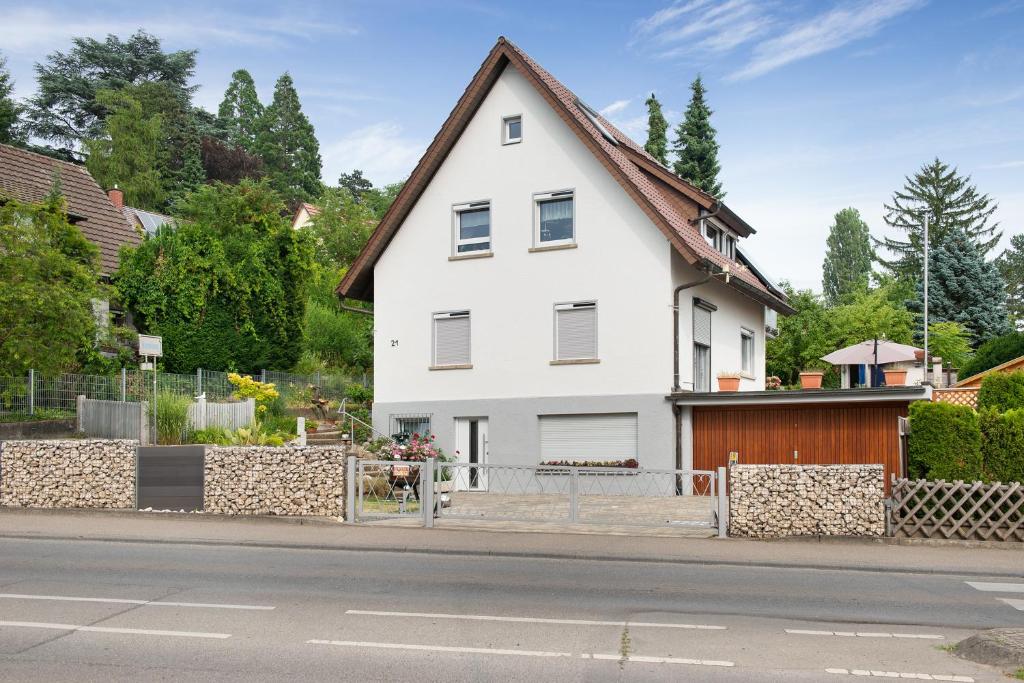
(86, 610)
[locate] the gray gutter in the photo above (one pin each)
(753, 398)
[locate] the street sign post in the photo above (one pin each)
(151, 348)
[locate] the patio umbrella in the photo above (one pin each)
(872, 352)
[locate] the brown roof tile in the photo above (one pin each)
(28, 177)
(669, 201)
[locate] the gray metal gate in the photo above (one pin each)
(170, 477)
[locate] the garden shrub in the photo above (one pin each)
(1002, 444)
(172, 418)
(945, 442)
(1002, 391)
(995, 351)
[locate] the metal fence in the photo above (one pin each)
(35, 395)
(113, 419)
(961, 510)
(381, 489)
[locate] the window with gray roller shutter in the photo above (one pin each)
(451, 338)
(588, 437)
(576, 331)
(701, 326)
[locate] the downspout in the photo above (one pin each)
(675, 325)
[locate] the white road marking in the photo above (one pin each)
(1016, 604)
(901, 675)
(534, 620)
(660, 660)
(126, 601)
(856, 634)
(996, 587)
(440, 648)
(109, 629)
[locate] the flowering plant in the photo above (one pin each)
(418, 449)
(773, 383)
(247, 387)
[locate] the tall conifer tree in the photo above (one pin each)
(847, 266)
(10, 111)
(1011, 265)
(950, 202)
(288, 145)
(657, 131)
(695, 145)
(240, 111)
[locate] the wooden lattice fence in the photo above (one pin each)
(961, 510)
(961, 396)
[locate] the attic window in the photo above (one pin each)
(592, 116)
(512, 130)
(721, 239)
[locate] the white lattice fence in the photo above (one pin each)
(960, 510)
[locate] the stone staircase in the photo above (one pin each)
(328, 437)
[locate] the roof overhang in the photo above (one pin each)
(808, 396)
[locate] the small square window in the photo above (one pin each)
(511, 130)
(472, 228)
(555, 218)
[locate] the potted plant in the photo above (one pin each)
(811, 376)
(895, 376)
(773, 383)
(729, 381)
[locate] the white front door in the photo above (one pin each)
(471, 445)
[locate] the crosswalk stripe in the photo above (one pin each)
(996, 587)
(1016, 604)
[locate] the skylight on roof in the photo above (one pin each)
(592, 115)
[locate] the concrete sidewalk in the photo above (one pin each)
(1002, 560)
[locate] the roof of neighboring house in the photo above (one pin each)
(670, 202)
(28, 177)
(1008, 366)
(311, 210)
(149, 221)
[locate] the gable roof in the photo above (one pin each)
(28, 177)
(1009, 366)
(671, 203)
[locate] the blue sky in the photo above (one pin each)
(819, 104)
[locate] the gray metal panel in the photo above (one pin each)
(171, 477)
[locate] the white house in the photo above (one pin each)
(528, 277)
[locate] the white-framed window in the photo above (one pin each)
(747, 350)
(554, 218)
(451, 343)
(471, 227)
(576, 331)
(406, 424)
(512, 129)
(721, 239)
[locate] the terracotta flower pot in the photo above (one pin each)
(728, 383)
(811, 379)
(895, 377)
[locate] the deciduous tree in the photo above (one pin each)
(695, 145)
(847, 268)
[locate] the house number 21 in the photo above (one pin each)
(394, 342)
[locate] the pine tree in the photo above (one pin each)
(10, 111)
(240, 111)
(847, 266)
(657, 131)
(695, 146)
(288, 145)
(950, 202)
(355, 183)
(964, 288)
(1011, 265)
(129, 154)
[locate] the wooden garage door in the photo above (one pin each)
(819, 434)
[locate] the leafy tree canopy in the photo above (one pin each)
(847, 268)
(695, 145)
(65, 108)
(228, 286)
(229, 164)
(10, 111)
(950, 341)
(657, 131)
(355, 183)
(950, 202)
(994, 352)
(964, 288)
(1011, 266)
(341, 228)
(289, 146)
(50, 274)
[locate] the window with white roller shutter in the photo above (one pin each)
(451, 339)
(610, 436)
(702, 344)
(576, 331)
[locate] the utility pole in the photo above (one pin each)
(926, 297)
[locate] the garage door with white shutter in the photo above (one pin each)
(588, 437)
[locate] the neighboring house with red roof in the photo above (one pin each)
(1015, 365)
(542, 285)
(304, 214)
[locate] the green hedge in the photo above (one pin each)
(945, 442)
(1002, 391)
(1002, 444)
(995, 351)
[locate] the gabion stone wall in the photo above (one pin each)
(256, 480)
(89, 473)
(770, 501)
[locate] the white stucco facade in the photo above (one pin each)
(620, 260)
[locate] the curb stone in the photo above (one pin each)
(1002, 647)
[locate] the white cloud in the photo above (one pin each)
(700, 27)
(1016, 163)
(823, 33)
(382, 151)
(614, 108)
